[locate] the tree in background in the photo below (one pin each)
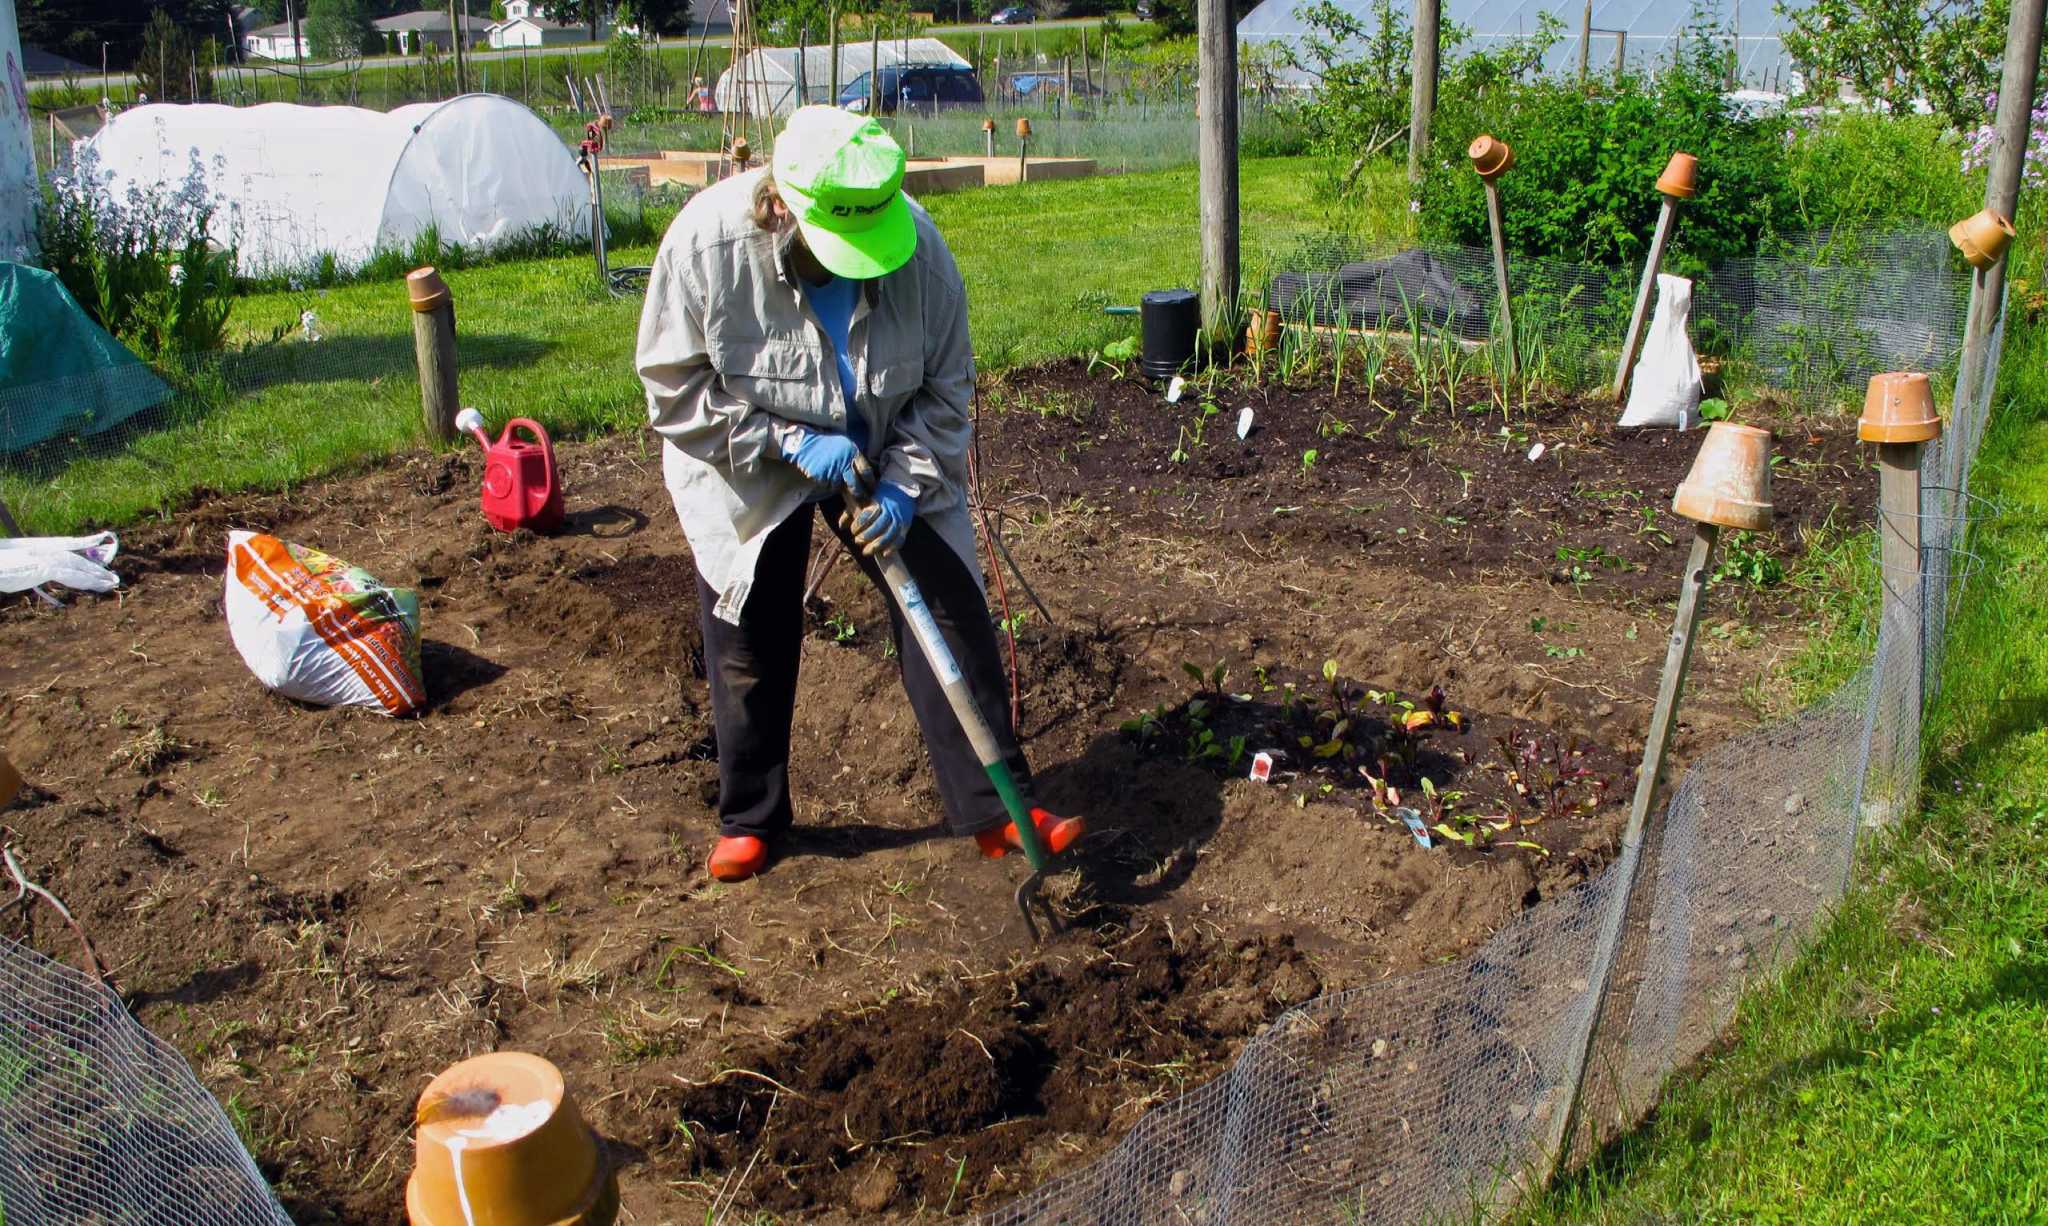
(76, 28)
(657, 16)
(338, 29)
(173, 66)
(576, 12)
(1945, 52)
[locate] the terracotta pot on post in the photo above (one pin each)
(1491, 157)
(500, 1143)
(988, 138)
(1899, 408)
(1681, 176)
(1982, 237)
(1730, 481)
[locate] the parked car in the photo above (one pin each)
(1145, 10)
(917, 87)
(1015, 15)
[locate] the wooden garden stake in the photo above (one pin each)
(1982, 238)
(1729, 487)
(1899, 416)
(1023, 148)
(1492, 158)
(433, 336)
(988, 139)
(1676, 183)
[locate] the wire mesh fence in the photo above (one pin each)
(1818, 314)
(1442, 1095)
(101, 1121)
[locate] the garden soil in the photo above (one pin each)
(323, 908)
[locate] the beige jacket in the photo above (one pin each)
(729, 350)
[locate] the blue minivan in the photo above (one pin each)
(916, 87)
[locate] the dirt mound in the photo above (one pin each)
(939, 1103)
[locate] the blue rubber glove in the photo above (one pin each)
(884, 524)
(825, 458)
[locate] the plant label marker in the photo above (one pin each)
(1262, 767)
(1729, 487)
(1899, 416)
(1174, 389)
(1678, 182)
(1244, 421)
(1413, 820)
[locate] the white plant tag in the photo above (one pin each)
(1244, 421)
(1174, 389)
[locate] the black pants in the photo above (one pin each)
(752, 668)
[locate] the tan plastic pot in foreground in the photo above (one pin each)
(1730, 481)
(1491, 157)
(1899, 408)
(500, 1143)
(1982, 237)
(1680, 177)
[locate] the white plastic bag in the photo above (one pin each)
(75, 561)
(314, 628)
(1666, 387)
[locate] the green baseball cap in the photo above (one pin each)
(841, 177)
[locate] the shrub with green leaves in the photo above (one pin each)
(1586, 164)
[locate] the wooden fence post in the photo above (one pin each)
(433, 336)
(1216, 106)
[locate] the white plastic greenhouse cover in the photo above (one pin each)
(771, 71)
(1645, 31)
(289, 183)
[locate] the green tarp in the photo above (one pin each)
(61, 375)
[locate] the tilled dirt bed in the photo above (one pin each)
(322, 908)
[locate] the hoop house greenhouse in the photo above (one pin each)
(289, 184)
(1635, 32)
(769, 77)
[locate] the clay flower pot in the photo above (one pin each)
(1899, 408)
(1981, 237)
(988, 125)
(500, 1143)
(1264, 332)
(1023, 128)
(1681, 176)
(742, 152)
(1730, 481)
(1490, 157)
(425, 288)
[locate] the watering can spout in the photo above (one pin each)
(471, 422)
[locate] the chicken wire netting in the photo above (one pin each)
(103, 1122)
(1436, 1095)
(1443, 1094)
(1816, 314)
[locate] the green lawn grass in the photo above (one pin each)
(1899, 1071)
(539, 338)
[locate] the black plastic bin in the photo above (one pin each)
(1169, 320)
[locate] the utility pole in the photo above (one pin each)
(1585, 43)
(455, 33)
(1217, 103)
(291, 14)
(1422, 91)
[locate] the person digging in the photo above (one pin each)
(804, 343)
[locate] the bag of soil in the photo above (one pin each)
(316, 629)
(1666, 388)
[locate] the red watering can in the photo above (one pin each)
(521, 487)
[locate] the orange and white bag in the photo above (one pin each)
(315, 628)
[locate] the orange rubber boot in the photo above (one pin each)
(738, 857)
(1057, 833)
